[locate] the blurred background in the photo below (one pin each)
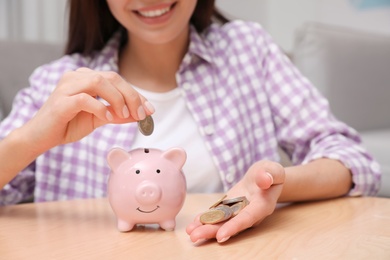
(33, 20)
(342, 46)
(45, 20)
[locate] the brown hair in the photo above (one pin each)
(91, 23)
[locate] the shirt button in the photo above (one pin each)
(187, 86)
(230, 177)
(209, 130)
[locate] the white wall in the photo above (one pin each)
(282, 18)
(279, 17)
(33, 20)
(375, 19)
(44, 20)
(253, 10)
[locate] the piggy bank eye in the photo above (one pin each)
(137, 171)
(158, 171)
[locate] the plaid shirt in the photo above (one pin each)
(245, 95)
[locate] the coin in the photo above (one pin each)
(146, 126)
(218, 202)
(216, 215)
(234, 200)
(236, 208)
(223, 210)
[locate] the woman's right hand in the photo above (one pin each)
(73, 111)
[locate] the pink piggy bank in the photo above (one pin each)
(146, 186)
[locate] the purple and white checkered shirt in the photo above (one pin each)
(243, 92)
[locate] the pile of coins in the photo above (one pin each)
(146, 126)
(223, 210)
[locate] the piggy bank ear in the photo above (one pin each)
(176, 155)
(116, 157)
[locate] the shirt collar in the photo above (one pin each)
(198, 45)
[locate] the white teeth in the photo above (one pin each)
(155, 13)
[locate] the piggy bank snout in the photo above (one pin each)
(148, 193)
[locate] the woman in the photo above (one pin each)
(221, 90)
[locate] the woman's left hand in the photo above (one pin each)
(262, 186)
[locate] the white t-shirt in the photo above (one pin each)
(200, 171)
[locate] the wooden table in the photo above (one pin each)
(347, 228)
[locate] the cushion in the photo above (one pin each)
(18, 61)
(351, 68)
(378, 144)
(1, 112)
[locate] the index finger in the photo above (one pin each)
(95, 83)
(199, 232)
(138, 106)
(193, 225)
(247, 217)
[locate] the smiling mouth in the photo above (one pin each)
(155, 13)
(148, 211)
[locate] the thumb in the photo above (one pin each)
(267, 173)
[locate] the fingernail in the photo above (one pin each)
(141, 113)
(200, 240)
(149, 107)
(125, 111)
(270, 176)
(223, 239)
(109, 116)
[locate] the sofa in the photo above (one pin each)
(352, 69)
(18, 61)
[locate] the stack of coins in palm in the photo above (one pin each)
(223, 210)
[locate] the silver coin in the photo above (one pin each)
(146, 126)
(236, 208)
(235, 200)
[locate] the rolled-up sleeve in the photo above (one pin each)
(21, 188)
(25, 105)
(365, 170)
(307, 129)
